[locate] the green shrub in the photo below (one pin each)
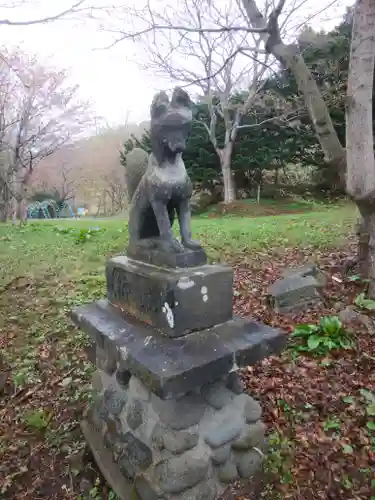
(328, 335)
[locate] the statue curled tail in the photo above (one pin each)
(135, 168)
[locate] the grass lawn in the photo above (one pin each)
(48, 267)
(44, 247)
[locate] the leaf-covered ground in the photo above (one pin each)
(321, 443)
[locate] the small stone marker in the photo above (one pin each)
(170, 420)
(298, 289)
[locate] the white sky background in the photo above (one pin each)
(119, 90)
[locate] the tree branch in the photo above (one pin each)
(72, 9)
(183, 28)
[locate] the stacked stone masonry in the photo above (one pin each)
(185, 449)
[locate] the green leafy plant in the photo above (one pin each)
(332, 424)
(80, 235)
(369, 398)
(37, 420)
(85, 234)
(329, 334)
(363, 303)
(63, 230)
(279, 458)
(95, 493)
(357, 279)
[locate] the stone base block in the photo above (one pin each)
(174, 367)
(174, 301)
(188, 448)
(151, 254)
(309, 269)
(298, 289)
(294, 293)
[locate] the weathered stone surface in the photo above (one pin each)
(368, 322)
(153, 256)
(164, 333)
(157, 436)
(105, 362)
(178, 474)
(113, 402)
(178, 442)
(253, 411)
(227, 472)
(134, 414)
(348, 315)
(248, 463)
(123, 377)
(120, 485)
(113, 438)
(173, 367)
(97, 381)
(309, 269)
(173, 301)
(147, 490)
(234, 383)
(202, 491)
(160, 189)
(92, 415)
(136, 456)
(139, 390)
(224, 431)
(220, 455)
(90, 352)
(181, 413)
(252, 435)
(114, 430)
(295, 292)
(217, 395)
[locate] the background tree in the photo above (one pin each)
(256, 39)
(360, 178)
(269, 27)
(68, 9)
(326, 55)
(290, 57)
(39, 113)
(214, 63)
(271, 146)
(61, 187)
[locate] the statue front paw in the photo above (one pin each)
(171, 245)
(191, 244)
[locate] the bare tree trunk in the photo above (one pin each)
(4, 200)
(276, 178)
(290, 58)
(363, 252)
(13, 205)
(225, 156)
(360, 179)
(22, 210)
(22, 187)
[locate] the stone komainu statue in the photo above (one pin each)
(159, 187)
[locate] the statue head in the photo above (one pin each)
(170, 123)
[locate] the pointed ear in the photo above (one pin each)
(181, 99)
(159, 106)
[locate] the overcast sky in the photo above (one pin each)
(118, 88)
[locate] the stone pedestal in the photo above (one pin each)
(169, 419)
(298, 289)
(174, 301)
